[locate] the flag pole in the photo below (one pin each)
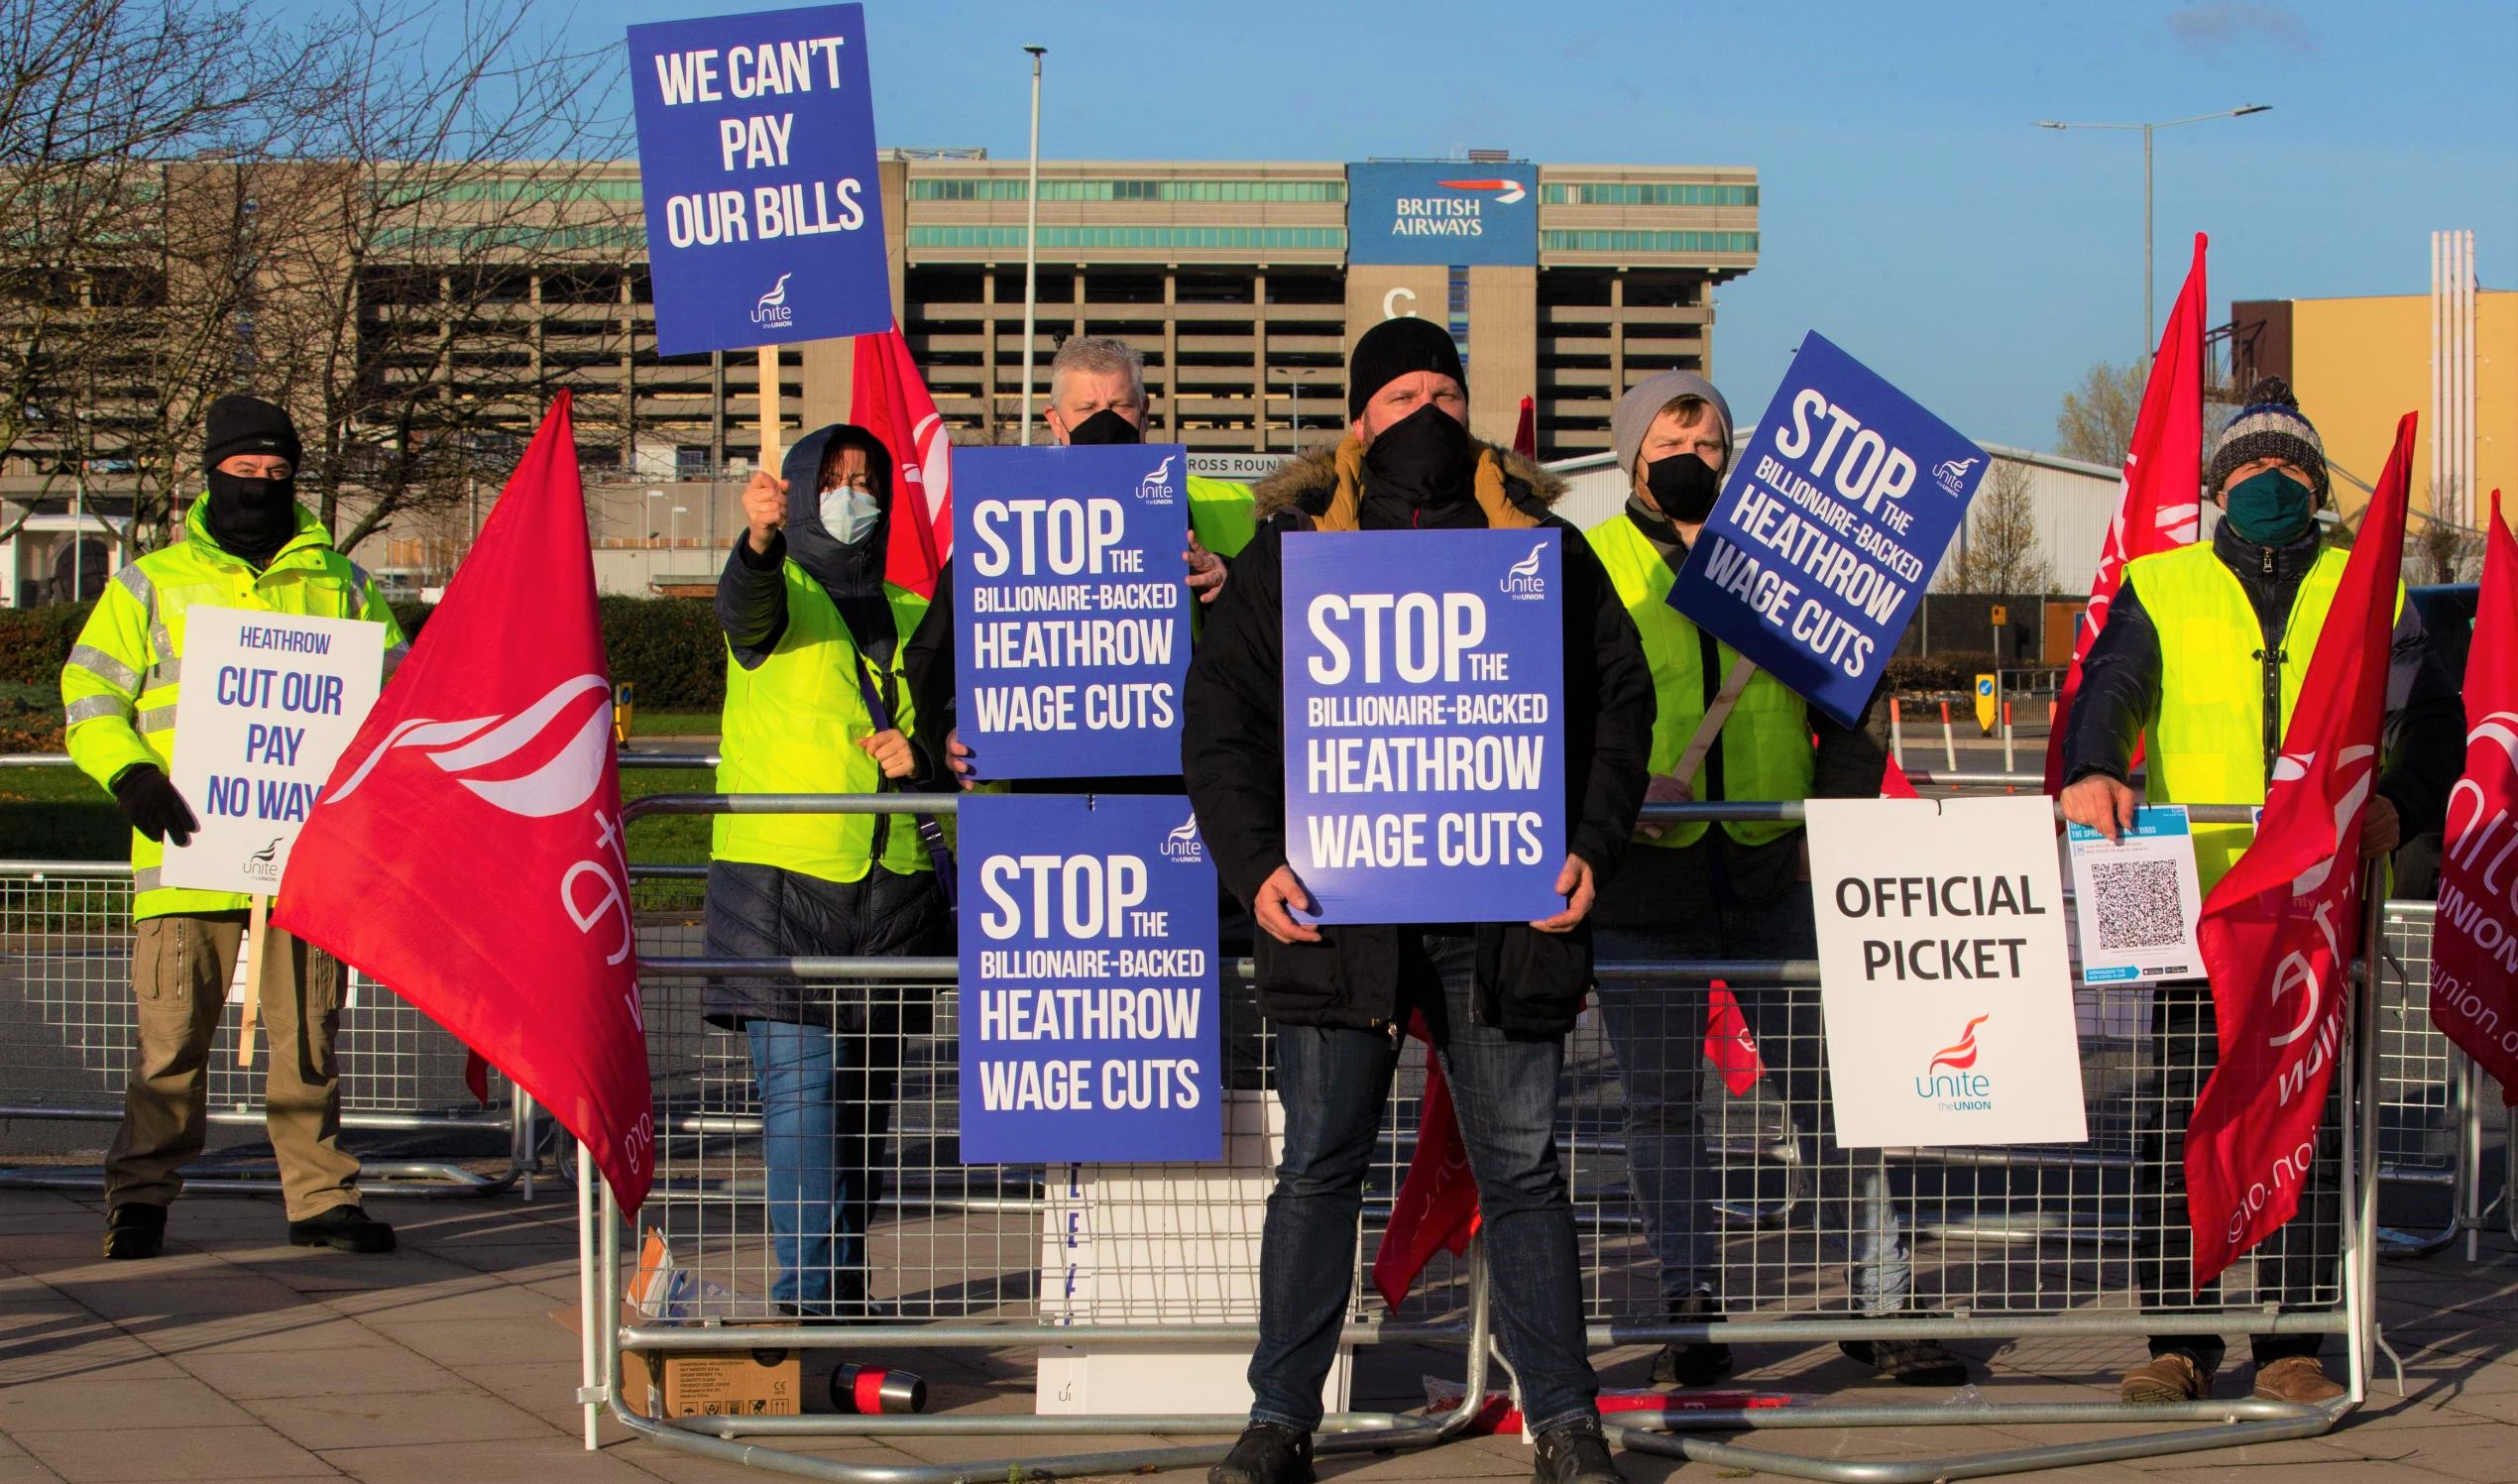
(259, 920)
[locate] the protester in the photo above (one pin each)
(2198, 641)
(817, 703)
(1739, 889)
(1498, 997)
(1097, 395)
(248, 544)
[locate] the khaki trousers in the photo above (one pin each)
(180, 969)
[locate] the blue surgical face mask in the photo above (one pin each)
(848, 515)
(2270, 508)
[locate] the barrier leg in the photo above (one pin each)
(590, 1317)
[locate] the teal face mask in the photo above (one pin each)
(2270, 508)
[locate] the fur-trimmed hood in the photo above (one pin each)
(1305, 483)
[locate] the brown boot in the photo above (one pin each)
(2296, 1378)
(2173, 1377)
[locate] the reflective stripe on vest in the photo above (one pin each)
(792, 726)
(1767, 752)
(2206, 744)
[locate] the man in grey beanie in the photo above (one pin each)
(1737, 889)
(2198, 640)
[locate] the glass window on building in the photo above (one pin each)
(1639, 193)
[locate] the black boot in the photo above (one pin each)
(1908, 1362)
(1266, 1455)
(135, 1231)
(344, 1228)
(1574, 1454)
(1692, 1362)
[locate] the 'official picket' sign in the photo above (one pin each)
(1424, 770)
(1090, 1023)
(1829, 528)
(756, 161)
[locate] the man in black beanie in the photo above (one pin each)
(1497, 998)
(248, 544)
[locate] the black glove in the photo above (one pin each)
(148, 799)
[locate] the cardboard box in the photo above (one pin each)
(722, 1383)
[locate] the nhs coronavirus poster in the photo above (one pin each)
(1070, 618)
(756, 162)
(1830, 524)
(1425, 776)
(1090, 1027)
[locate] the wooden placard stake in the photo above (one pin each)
(252, 954)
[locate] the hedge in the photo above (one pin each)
(669, 647)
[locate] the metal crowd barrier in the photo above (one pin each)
(68, 1030)
(2014, 1243)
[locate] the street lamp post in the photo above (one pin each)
(1031, 242)
(2150, 326)
(679, 512)
(652, 495)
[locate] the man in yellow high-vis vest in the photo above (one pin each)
(2202, 659)
(247, 544)
(1733, 890)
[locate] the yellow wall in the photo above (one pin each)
(2360, 364)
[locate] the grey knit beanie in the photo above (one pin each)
(1645, 400)
(2269, 426)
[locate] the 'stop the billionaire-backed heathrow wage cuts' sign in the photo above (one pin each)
(269, 702)
(1828, 529)
(756, 161)
(1943, 972)
(1071, 616)
(1090, 1025)
(1425, 769)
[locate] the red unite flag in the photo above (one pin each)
(2163, 468)
(2474, 946)
(888, 398)
(1435, 1209)
(2279, 931)
(467, 852)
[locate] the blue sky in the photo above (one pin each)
(1911, 211)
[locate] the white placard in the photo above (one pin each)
(1943, 972)
(269, 702)
(2135, 899)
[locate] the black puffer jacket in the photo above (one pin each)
(1528, 983)
(2119, 685)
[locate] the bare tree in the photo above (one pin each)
(2448, 551)
(1998, 550)
(2096, 425)
(401, 308)
(96, 95)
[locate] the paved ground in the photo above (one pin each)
(237, 1358)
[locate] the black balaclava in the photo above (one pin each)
(1426, 462)
(851, 574)
(249, 519)
(1105, 426)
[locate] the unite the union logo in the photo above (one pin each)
(1156, 488)
(1521, 581)
(772, 308)
(1184, 842)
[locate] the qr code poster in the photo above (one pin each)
(2135, 899)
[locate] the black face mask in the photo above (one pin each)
(1426, 458)
(252, 518)
(1105, 426)
(1684, 486)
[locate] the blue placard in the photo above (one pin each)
(1070, 613)
(1091, 1029)
(1829, 527)
(757, 161)
(1442, 212)
(1424, 770)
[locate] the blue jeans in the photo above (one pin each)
(1335, 1083)
(1659, 1033)
(825, 1108)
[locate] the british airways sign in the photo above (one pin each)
(1449, 212)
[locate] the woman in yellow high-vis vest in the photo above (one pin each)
(1735, 889)
(2201, 663)
(816, 702)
